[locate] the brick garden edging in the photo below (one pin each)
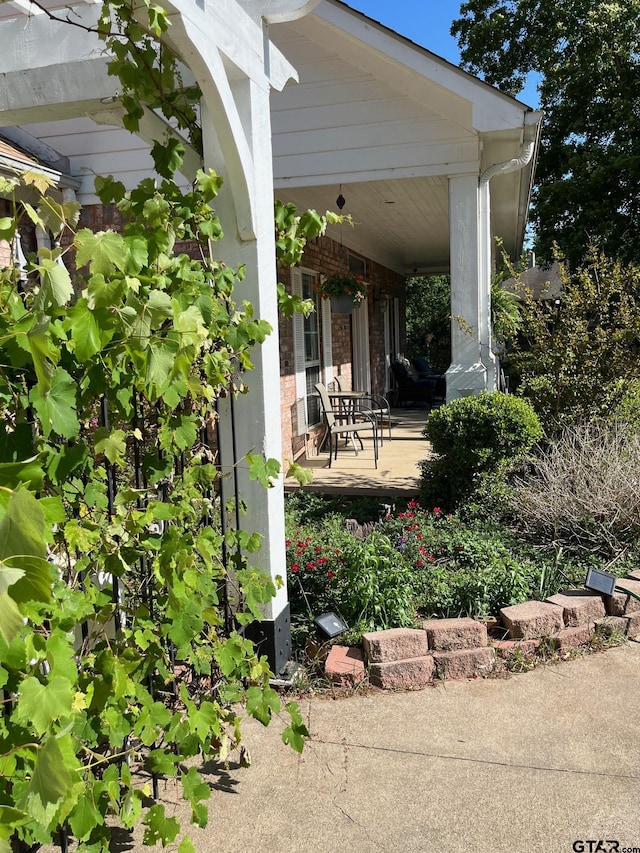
(463, 648)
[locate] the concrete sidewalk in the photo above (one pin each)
(534, 762)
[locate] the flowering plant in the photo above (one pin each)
(343, 284)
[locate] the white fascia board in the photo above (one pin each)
(16, 166)
(37, 148)
(491, 109)
(319, 180)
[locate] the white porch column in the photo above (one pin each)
(469, 298)
(485, 274)
(235, 77)
(256, 415)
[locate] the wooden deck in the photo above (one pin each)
(397, 473)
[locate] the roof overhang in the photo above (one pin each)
(390, 122)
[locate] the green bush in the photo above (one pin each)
(477, 439)
(576, 355)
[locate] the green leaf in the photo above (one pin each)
(22, 527)
(159, 361)
(137, 254)
(8, 576)
(190, 327)
(295, 734)
(163, 762)
(41, 704)
(112, 443)
(104, 251)
(29, 472)
(304, 476)
(68, 460)
(56, 407)
(102, 292)
(159, 827)
(11, 620)
(168, 157)
(44, 354)
(159, 307)
(55, 287)
(261, 702)
(265, 470)
(186, 846)
(35, 581)
(85, 331)
(7, 228)
(109, 190)
(84, 817)
(49, 784)
(209, 184)
(193, 787)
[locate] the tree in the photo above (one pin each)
(428, 301)
(577, 356)
(588, 55)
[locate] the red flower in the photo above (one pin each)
(419, 563)
(287, 542)
(318, 549)
(330, 574)
(437, 510)
(295, 568)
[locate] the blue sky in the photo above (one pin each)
(426, 22)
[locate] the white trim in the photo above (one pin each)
(298, 358)
(327, 343)
(361, 379)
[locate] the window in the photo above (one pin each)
(312, 351)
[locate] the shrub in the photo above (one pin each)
(584, 488)
(376, 584)
(476, 439)
(461, 567)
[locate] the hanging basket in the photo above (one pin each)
(342, 304)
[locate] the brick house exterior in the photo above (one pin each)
(336, 350)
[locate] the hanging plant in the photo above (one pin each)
(343, 284)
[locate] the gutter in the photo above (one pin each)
(532, 119)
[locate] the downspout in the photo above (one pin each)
(532, 119)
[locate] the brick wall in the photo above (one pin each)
(322, 256)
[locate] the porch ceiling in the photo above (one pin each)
(402, 224)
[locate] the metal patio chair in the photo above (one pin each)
(346, 425)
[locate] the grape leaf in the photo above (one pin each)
(41, 704)
(11, 620)
(56, 407)
(104, 251)
(55, 285)
(49, 783)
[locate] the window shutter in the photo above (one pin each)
(298, 357)
(327, 346)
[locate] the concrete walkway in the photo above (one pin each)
(534, 762)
